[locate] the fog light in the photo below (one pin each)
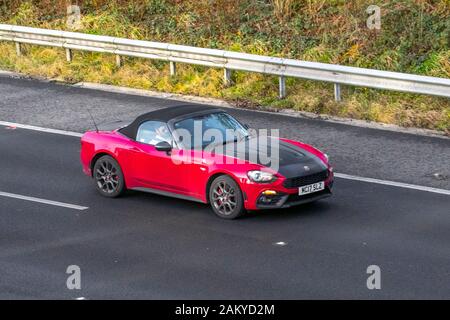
(269, 193)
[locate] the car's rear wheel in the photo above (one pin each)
(225, 198)
(108, 177)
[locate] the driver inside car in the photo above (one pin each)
(152, 135)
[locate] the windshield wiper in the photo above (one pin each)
(228, 141)
(245, 137)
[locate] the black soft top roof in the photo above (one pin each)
(164, 115)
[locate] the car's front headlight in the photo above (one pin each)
(260, 176)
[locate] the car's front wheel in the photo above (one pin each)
(108, 177)
(225, 198)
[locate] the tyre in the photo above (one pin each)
(108, 177)
(225, 198)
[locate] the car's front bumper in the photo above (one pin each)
(290, 200)
(255, 199)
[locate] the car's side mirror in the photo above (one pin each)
(163, 146)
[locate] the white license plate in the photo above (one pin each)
(310, 188)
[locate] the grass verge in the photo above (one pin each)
(418, 47)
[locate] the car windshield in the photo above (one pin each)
(215, 128)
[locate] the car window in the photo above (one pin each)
(153, 132)
(218, 121)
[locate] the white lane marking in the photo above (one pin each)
(392, 183)
(47, 130)
(338, 175)
(44, 201)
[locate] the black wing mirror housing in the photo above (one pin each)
(163, 146)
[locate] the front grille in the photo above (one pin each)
(303, 181)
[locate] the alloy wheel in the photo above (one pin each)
(107, 177)
(224, 198)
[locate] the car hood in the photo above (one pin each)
(292, 160)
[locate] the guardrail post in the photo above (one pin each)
(68, 55)
(173, 68)
(337, 92)
(18, 49)
(227, 77)
(282, 84)
(118, 61)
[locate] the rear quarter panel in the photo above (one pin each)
(95, 144)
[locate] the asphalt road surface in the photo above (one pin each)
(149, 246)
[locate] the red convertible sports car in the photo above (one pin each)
(186, 152)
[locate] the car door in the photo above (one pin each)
(157, 169)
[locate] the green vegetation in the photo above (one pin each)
(414, 38)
